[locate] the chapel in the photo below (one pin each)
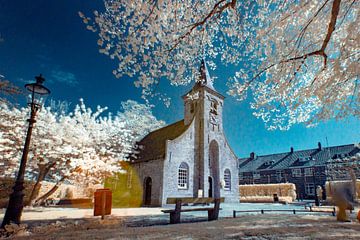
(191, 157)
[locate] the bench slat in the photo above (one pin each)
(188, 210)
(213, 212)
(187, 200)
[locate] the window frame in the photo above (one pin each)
(241, 176)
(308, 188)
(308, 172)
(183, 176)
(256, 175)
(279, 175)
(296, 172)
(227, 179)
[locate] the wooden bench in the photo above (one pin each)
(76, 202)
(213, 212)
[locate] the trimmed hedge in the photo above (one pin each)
(265, 192)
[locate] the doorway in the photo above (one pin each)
(210, 187)
(214, 168)
(147, 191)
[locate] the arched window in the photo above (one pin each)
(227, 179)
(183, 176)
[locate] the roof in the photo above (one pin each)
(296, 159)
(153, 145)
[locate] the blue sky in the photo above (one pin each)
(48, 37)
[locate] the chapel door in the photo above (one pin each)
(147, 191)
(210, 188)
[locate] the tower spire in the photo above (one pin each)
(205, 79)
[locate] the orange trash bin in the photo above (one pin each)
(102, 202)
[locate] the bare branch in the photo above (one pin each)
(217, 9)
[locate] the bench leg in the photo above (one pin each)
(213, 214)
(174, 217)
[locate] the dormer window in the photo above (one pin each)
(269, 163)
(304, 159)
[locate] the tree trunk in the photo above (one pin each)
(43, 171)
(41, 200)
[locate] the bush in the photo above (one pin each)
(265, 192)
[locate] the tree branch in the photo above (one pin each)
(217, 9)
(331, 27)
(321, 52)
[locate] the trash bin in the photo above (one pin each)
(102, 202)
(276, 198)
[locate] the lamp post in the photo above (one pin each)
(317, 203)
(36, 98)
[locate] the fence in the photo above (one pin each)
(294, 211)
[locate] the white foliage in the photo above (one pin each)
(297, 69)
(81, 146)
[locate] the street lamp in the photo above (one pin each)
(36, 98)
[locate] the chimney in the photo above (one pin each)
(291, 150)
(252, 155)
(319, 146)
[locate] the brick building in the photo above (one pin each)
(307, 169)
(189, 158)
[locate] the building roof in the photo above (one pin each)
(296, 159)
(153, 145)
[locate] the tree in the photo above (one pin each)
(7, 89)
(299, 60)
(81, 147)
(12, 135)
(345, 167)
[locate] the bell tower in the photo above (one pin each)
(203, 101)
(203, 107)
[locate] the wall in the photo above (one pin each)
(179, 150)
(153, 169)
(270, 176)
(227, 158)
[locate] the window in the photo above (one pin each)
(256, 175)
(214, 107)
(308, 171)
(304, 159)
(296, 172)
(310, 189)
(241, 176)
(227, 179)
(269, 163)
(183, 176)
